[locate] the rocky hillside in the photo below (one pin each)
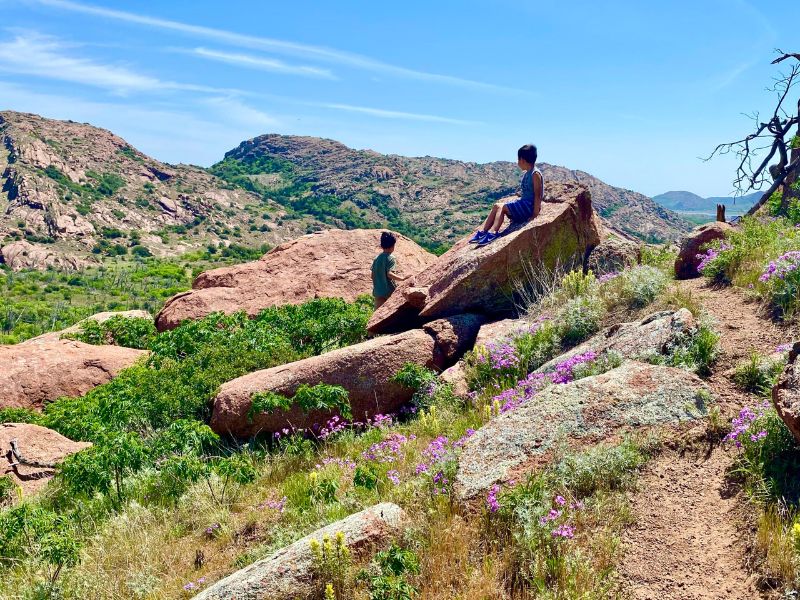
(75, 193)
(434, 200)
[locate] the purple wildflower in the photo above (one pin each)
(491, 499)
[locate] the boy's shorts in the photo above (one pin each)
(520, 211)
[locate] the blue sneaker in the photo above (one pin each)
(488, 239)
(478, 237)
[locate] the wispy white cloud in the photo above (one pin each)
(274, 45)
(728, 77)
(43, 56)
(31, 53)
(262, 63)
(194, 129)
(393, 114)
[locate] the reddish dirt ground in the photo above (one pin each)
(689, 539)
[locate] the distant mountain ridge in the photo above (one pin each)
(689, 202)
(435, 200)
(77, 192)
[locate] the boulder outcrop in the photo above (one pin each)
(364, 370)
(614, 254)
(40, 371)
(326, 264)
(29, 453)
(24, 255)
(580, 413)
(289, 573)
(786, 393)
(691, 245)
(484, 280)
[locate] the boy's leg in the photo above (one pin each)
(379, 300)
(498, 220)
(487, 224)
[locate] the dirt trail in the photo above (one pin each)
(687, 541)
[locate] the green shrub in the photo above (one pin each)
(759, 374)
(19, 415)
(696, 350)
(641, 285)
(414, 376)
(768, 455)
(317, 397)
(386, 577)
(130, 332)
(7, 489)
(579, 318)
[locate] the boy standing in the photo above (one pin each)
(383, 279)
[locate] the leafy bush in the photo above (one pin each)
(386, 576)
(743, 259)
(414, 376)
(19, 415)
(317, 397)
(130, 332)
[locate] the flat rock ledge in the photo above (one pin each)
(578, 414)
(288, 574)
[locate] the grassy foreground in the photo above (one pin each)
(160, 507)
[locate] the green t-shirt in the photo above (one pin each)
(382, 286)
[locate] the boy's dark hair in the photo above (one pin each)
(387, 240)
(528, 153)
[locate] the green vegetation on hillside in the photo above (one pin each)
(163, 495)
(296, 191)
(35, 302)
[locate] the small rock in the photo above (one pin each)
(288, 573)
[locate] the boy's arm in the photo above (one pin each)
(390, 265)
(538, 193)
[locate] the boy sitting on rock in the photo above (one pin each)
(521, 210)
(383, 280)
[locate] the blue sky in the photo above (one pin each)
(630, 91)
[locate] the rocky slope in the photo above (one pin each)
(70, 188)
(435, 200)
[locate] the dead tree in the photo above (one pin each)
(775, 136)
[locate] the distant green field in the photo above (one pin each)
(35, 302)
(700, 218)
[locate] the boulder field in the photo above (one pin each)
(326, 264)
(289, 573)
(576, 414)
(364, 370)
(42, 370)
(691, 245)
(484, 280)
